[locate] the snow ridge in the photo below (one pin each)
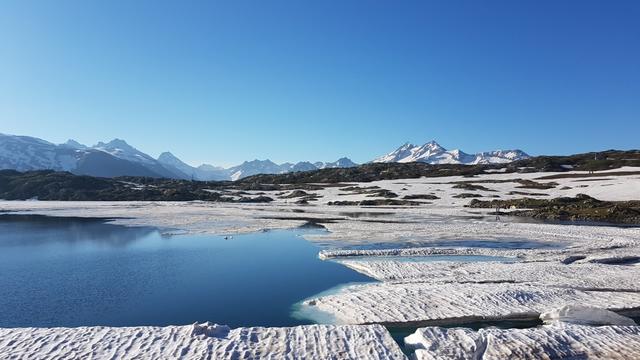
(118, 158)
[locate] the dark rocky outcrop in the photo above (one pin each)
(55, 185)
(420, 197)
(466, 195)
(471, 187)
(579, 208)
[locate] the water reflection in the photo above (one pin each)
(39, 230)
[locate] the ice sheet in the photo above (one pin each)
(205, 341)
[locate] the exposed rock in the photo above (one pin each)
(376, 202)
(295, 194)
(530, 184)
(471, 187)
(581, 207)
(420, 197)
(466, 195)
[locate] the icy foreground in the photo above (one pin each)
(568, 337)
(206, 341)
(582, 276)
(561, 341)
(585, 315)
(425, 303)
(457, 292)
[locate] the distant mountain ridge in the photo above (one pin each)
(255, 167)
(433, 153)
(118, 158)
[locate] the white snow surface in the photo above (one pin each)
(583, 276)
(204, 341)
(559, 341)
(427, 303)
(453, 292)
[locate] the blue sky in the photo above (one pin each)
(227, 81)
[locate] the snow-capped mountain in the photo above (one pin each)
(168, 159)
(72, 144)
(500, 156)
(433, 153)
(203, 172)
(118, 158)
(25, 153)
(249, 168)
(255, 167)
(340, 163)
(412, 153)
(303, 166)
(120, 149)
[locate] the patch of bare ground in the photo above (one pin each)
(587, 175)
(523, 193)
(376, 202)
(296, 194)
(471, 187)
(420, 197)
(597, 179)
(466, 195)
(580, 208)
(530, 184)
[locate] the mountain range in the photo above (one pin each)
(433, 153)
(118, 158)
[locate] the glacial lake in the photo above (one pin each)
(81, 272)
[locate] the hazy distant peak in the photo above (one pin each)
(209, 167)
(258, 162)
(165, 156)
(343, 162)
(74, 145)
(115, 144)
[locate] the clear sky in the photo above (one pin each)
(227, 81)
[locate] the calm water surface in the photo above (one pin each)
(74, 272)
